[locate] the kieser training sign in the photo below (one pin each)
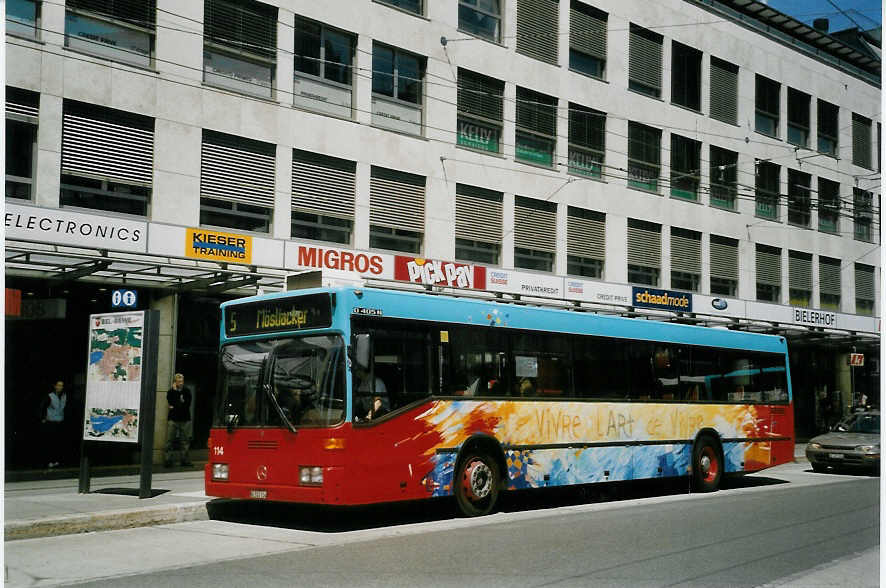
(113, 376)
(661, 299)
(215, 246)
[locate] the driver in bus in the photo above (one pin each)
(374, 405)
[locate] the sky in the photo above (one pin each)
(867, 13)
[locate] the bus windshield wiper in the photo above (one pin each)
(278, 408)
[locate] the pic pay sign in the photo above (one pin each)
(123, 299)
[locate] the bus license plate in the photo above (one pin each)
(258, 493)
(835, 455)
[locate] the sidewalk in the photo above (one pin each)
(53, 505)
(49, 505)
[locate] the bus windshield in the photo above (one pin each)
(292, 382)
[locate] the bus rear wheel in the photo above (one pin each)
(707, 465)
(476, 484)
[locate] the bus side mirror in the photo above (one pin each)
(360, 351)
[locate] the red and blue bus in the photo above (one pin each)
(352, 396)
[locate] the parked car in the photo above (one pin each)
(854, 443)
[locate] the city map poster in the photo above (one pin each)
(113, 377)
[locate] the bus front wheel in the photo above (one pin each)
(476, 484)
(707, 465)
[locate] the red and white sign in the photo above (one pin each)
(341, 262)
(856, 359)
(434, 272)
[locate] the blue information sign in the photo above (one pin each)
(123, 299)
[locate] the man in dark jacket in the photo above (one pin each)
(178, 429)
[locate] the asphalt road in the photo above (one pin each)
(762, 530)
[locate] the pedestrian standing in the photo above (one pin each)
(178, 429)
(52, 419)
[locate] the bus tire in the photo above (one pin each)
(476, 484)
(707, 465)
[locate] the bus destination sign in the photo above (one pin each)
(313, 311)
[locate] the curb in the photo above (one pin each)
(106, 521)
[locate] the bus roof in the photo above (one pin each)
(409, 305)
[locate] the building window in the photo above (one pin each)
(768, 273)
(863, 214)
(644, 61)
(685, 167)
(798, 117)
(587, 141)
(685, 76)
(413, 6)
(536, 132)
(644, 156)
(480, 111)
(587, 39)
(107, 158)
(724, 178)
(767, 186)
(321, 228)
(861, 141)
(236, 182)
(864, 289)
(478, 219)
(644, 252)
(724, 91)
(481, 18)
(324, 73)
(828, 206)
(396, 210)
(829, 283)
(724, 266)
(767, 103)
(828, 128)
(240, 46)
(537, 29)
(478, 251)
(397, 95)
(394, 239)
(799, 199)
(235, 215)
(535, 233)
(585, 242)
(800, 278)
(685, 259)
(23, 18)
(532, 259)
(323, 194)
(118, 30)
(22, 115)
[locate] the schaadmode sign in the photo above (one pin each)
(661, 299)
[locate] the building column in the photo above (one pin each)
(47, 173)
(168, 307)
(507, 227)
(285, 56)
(361, 206)
(616, 267)
(282, 219)
(562, 249)
(665, 261)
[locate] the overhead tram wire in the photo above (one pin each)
(153, 75)
(613, 116)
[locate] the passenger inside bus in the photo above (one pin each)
(365, 398)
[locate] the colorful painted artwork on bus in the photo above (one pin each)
(554, 444)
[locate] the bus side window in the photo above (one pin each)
(541, 365)
(601, 368)
(476, 356)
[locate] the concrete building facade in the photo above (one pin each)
(586, 152)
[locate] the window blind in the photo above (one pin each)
(103, 143)
(535, 224)
(685, 251)
(724, 91)
(768, 265)
(587, 30)
(724, 258)
(237, 169)
(480, 95)
(537, 29)
(829, 276)
(246, 25)
(23, 103)
(644, 243)
(396, 199)
(644, 59)
(478, 214)
(800, 270)
(864, 281)
(586, 233)
(323, 185)
(142, 13)
(861, 141)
